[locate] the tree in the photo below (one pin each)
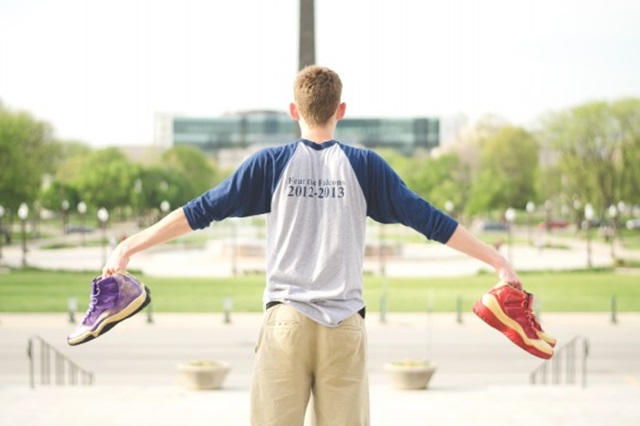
(443, 178)
(627, 112)
(67, 160)
(53, 196)
(106, 179)
(598, 146)
(507, 171)
(160, 184)
(193, 164)
(25, 153)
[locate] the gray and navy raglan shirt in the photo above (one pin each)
(317, 198)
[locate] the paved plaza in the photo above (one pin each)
(482, 378)
(213, 255)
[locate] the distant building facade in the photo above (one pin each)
(254, 129)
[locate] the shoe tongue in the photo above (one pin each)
(502, 284)
(510, 293)
(108, 285)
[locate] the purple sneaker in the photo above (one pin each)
(113, 299)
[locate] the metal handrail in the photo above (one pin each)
(563, 365)
(73, 375)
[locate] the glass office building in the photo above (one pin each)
(267, 128)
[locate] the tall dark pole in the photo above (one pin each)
(307, 40)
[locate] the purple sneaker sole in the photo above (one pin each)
(108, 323)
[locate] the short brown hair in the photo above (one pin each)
(317, 91)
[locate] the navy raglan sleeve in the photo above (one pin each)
(389, 200)
(247, 192)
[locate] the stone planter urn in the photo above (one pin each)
(203, 375)
(410, 374)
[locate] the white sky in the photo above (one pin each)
(99, 70)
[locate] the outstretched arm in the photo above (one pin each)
(465, 242)
(171, 226)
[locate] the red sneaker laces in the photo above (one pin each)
(531, 317)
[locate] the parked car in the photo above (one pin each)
(491, 226)
(633, 224)
(593, 223)
(78, 229)
(553, 224)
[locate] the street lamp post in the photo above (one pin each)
(548, 205)
(103, 217)
(82, 209)
(37, 211)
(622, 211)
(613, 213)
(510, 215)
(449, 207)
(164, 208)
(588, 216)
(1, 236)
(23, 213)
(577, 206)
(137, 187)
(65, 215)
(530, 209)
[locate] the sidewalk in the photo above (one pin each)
(170, 406)
(482, 379)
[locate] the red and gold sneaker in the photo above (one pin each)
(507, 310)
(536, 325)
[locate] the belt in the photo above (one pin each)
(362, 312)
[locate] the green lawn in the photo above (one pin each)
(631, 239)
(48, 291)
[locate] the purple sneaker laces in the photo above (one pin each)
(95, 292)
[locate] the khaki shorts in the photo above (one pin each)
(297, 357)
